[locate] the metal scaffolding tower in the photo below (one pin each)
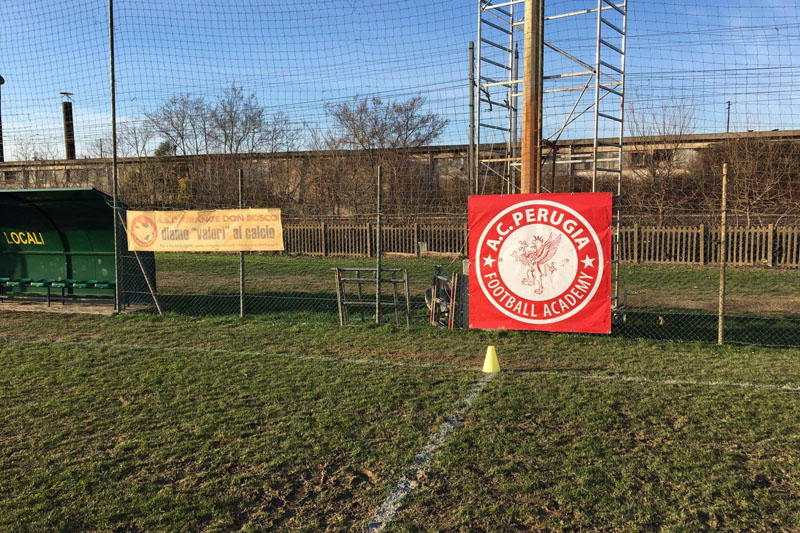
(609, 111)
(598, 82)
(496, 146)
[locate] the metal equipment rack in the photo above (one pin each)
(352, 276)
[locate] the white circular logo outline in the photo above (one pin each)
(600, 262)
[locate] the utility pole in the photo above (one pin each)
(728, 124)
(531, 177)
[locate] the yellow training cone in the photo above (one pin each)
(491, 365)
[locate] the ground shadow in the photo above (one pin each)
(680, 325)
(658, 324)
(322, 306)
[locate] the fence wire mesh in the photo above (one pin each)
(308, 98)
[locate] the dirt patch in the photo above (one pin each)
(86, 308)
(744, 303)
(106, 308)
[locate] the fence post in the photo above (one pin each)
(369, 240)
(416, 239)
(378, 249)
(770, 243)
(241, 254)
(723, 257)
(636, 244)
(324, 239)
(702, 244)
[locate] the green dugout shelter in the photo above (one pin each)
(62, 239)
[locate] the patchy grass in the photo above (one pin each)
(553, 453)
(144, 423)
(749, 290)
(104, 438)
(290, 335)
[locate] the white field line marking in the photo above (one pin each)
(217, 351)
(650, 381)
(422, 461)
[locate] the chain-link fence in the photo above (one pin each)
(307, 99)
(301, 280)
(670, 276)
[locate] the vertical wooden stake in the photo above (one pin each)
(360, 297)
(702, 244)
(339, 303)
(324, 240)
(770, 245)
(378, 250)
(408, 298)
(723, 238)
(241, 254)
(369, 240)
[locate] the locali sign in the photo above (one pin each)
(30, 238)
(221, 230)
(541, 262)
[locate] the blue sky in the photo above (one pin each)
(295, 56)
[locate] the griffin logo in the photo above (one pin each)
(537, 258)
(539, 262)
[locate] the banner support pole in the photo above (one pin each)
(241, 254)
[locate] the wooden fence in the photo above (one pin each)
(768, 246)
(359, 239)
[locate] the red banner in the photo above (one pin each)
(540, 262)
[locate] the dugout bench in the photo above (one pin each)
(60, 243)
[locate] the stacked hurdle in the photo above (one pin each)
(445, 300)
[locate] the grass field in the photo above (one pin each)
(750, 290)
(665, 302)
(138, 423)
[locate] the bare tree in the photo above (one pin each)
(155, 181)
(658, 161)
(98, 149)
(763, 178)
(31, 150)
(374, 124)
(384, 131)
(35, 176)
(242, 125)
(135, 139)
(185, 122)
(278, 134)
(340, 181)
